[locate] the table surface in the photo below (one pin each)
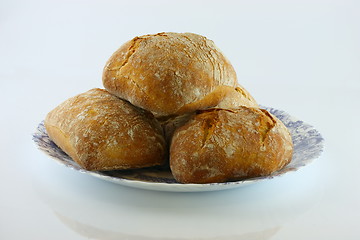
(299, 56)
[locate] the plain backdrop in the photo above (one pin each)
(299, 56)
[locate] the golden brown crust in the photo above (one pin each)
(219, 145)
(102, 132)
(170, 73)
(223, 97)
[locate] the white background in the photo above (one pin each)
(299, 56)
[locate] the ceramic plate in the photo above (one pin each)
(308, 145)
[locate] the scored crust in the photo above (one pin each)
(170, 73)
(219, 145)
(102, 132)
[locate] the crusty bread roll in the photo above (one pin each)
(102, 132)
(173, 74)
(219, 145)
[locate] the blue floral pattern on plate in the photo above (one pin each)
(308, 145)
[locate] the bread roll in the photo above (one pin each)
(172, 74)
(219, 145)
(102, 132)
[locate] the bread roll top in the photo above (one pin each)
(218, 145)
(170, 73)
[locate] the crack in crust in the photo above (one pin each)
(267, 126)
(209, 126)
(131, 51)
(242, 92)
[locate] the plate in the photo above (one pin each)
(308, 145)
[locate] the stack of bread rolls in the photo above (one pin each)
(171, 99)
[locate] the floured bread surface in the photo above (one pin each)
(102, 132)
(169, 73)
(223, 97)
(219, 145)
